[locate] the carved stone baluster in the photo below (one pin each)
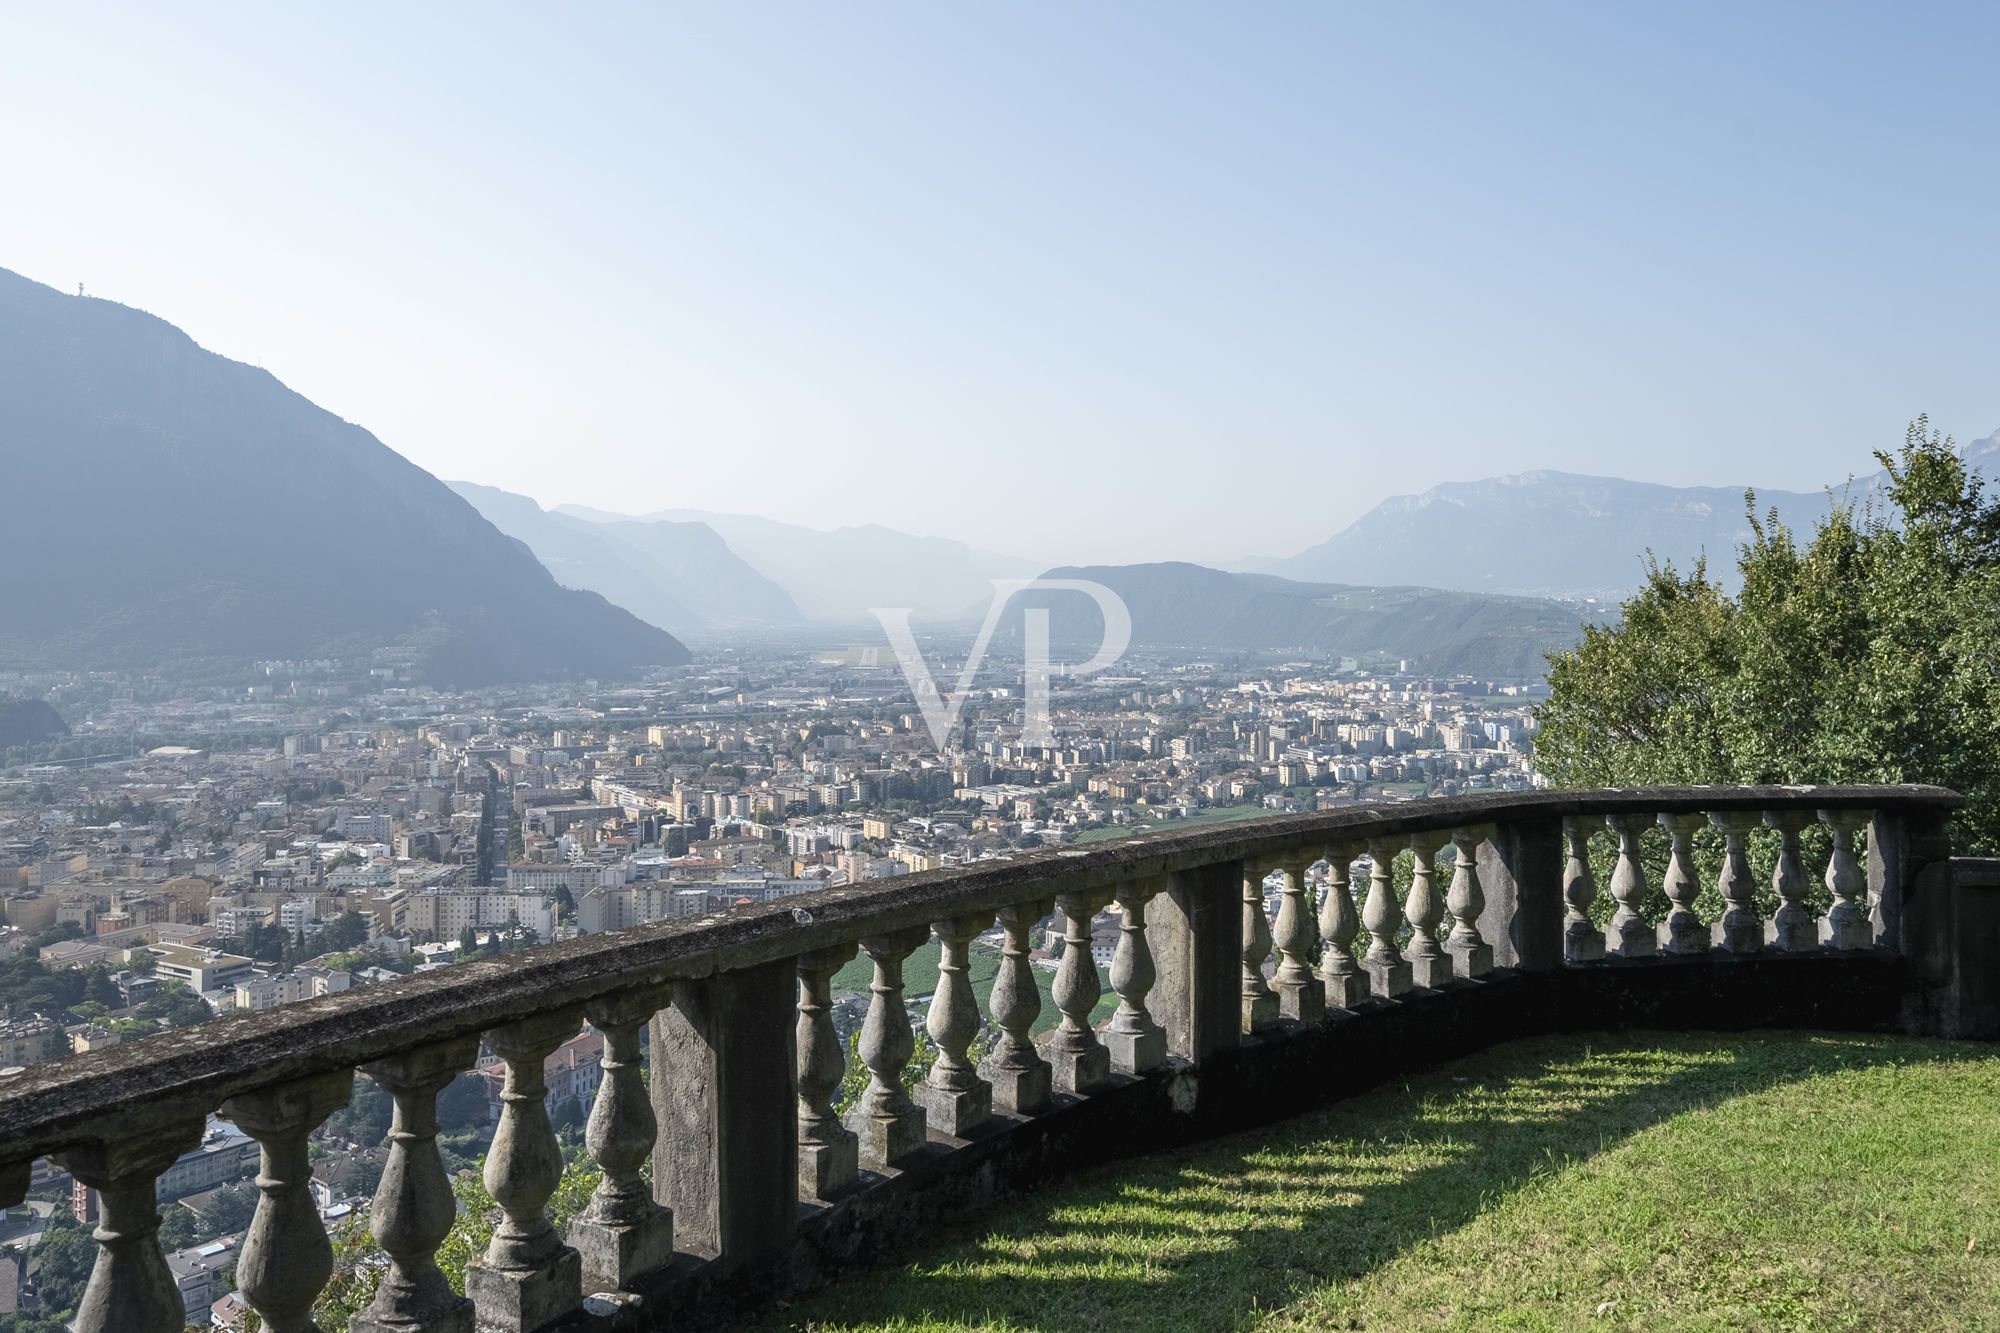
(1080, 1061)
(131, 1289)
(955, 1099)
(1741, 930)
(1342, 981)
(1300, 995)
(1260, 1005)
(1682, 932)
(1135, 1041)
(1430, 965)
(1388, 971)
(622, 1233)
(1021, 1079)
(829, 1152)
(1583, 942)
(890, 1125)
(414, 1207)
(527, 1277)
(1793, 928)
(286, 1256)
(1471, 955)
(1629, 935)
(1847, 924)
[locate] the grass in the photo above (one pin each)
(1781, 1181)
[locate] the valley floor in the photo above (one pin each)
(1612, 1181)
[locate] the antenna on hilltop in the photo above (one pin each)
(79, 289)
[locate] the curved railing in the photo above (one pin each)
(756, 1177)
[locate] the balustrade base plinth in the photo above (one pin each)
(955, 1111)
(1793, 930)
(1021, 1090)
(1388, 981)
(1430, 971)
(1738, 934)
(889, 1139)
(825, 1169)
(613, 1253)
(457, 1317)
(1260, 1012)
(520, 1300)
(1470, 961)
(1583, 943)
(1855, 933)
(1346, 992)
(1635, 939)
(1304, 1002)
(1683, 935)
(1079, 1071)
(1136, 1052)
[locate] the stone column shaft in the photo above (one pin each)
(623, 1233)
(286, 1256)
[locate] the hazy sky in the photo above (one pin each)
(1078, 282)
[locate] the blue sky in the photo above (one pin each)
(1081, 282)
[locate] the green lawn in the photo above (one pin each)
(1783, 1181)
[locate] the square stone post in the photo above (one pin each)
(724, 1092)
(1195, 930)
(1521, 871)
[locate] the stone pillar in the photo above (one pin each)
(1389, 974)
(414, 1207)
(527, 1278)
(1342, 982)
(955, 1099)
(1521, 876)
(622, 1233)
(1583, 942)
(829, 1152)
(1195, 930)
(1793, 929)
(286, 1257)
(1741, 930)
(1471, 955)
(1079, 1062)
(1135, 1041)
(1629, 935)
(890, 1126)
(724, 1088)
(1430, 965)
(131, 1289)
(1682, 933)
(1301, 998)
(1021, 1079)
(1846, 925)
(1260, 1006)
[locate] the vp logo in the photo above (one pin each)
(941, 713)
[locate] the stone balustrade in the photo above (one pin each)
(1480, 917)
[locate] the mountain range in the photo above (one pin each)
(169, 505)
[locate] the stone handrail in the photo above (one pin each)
(737, 1010)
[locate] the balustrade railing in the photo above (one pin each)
(738, 1116)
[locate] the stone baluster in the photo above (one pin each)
(131, 1289)
(1300, 995)
(1629, 935)
(1021, 1079)
(414, 1208)
(1135, 1041)
(286, 1256)
(955, 1099)
(1260, 1005)
(1583, 942)
(891, 1126)
(1741, 930)
(1080, 1062)
(1388, 971)
(1430, 965)
(527, 1277)
(829, 1152)
(622, 1232)
(1793, 928)
(1471, 955)
(1341, 979)
(1682, 932)
(1847, 924)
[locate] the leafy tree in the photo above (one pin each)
(462, 1104)
(64, 1258)
(468, 943)
(568, 1114)
(229, 1208)
(1869, 653)
(176, 1006)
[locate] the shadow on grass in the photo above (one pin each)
(1206, 1236)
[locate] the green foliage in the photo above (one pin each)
(176, 1006)
(462, 1104)
(64, 1258)
(365, 1118)
(1866, 654)
(229, 1209)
